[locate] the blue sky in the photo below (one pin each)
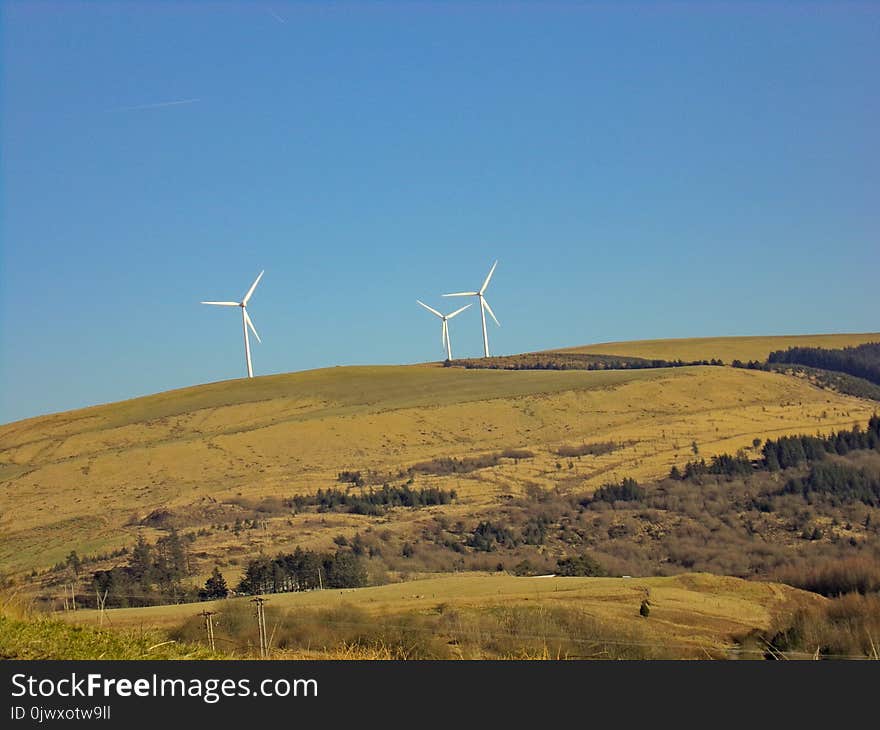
(640, 170)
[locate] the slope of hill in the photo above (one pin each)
(91, 480)
(492, 615)
(724, 348)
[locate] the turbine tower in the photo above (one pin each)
(484, 306)
(444, 329)
(245, 321)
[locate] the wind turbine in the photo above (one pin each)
(444, 337)
(484, 306)
(245, 321)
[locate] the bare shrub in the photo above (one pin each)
(596, 449)
(858, 574)
(848, 626)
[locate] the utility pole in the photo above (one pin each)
(101, 600)
(209, 626)
(261, 623)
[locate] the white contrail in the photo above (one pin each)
(153, 106)
(276, 16)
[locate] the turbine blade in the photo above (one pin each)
(253, 286)
(462, 294)
(222, 304)
(430, 309)
(247, 318)
(443, 334)
(458, 311)
(486, 283)
(489, 310)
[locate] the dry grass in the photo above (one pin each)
(76, 480)
(724, 348)
(688, 612)
(487, 632)
(842, 628)
(27, 634)
(82, 480)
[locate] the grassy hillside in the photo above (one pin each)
(724, 348)
(25, 634)
(690, 615)
(88, 480)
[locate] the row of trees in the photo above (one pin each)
(724, 464)
(579, 565)
(76, 563)
(627, 491)
(786, 452)
(791, 451)
(373, 501)
(488, 536)
(862, 361)
(843, 484)
(836, 380)
(566, 361)
(750, 365)
(154, 574)
(302, 570)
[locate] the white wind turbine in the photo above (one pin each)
(444, 337)
(245, 321)
(484, 306)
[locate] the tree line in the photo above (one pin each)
(574, 361)
(830, 379)
(302, 570)
(373, 501)
(627, 491)
(862, 361)
(786, 452)
(154, 574)
(841, 483)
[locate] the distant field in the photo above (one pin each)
(724, 348)
(86, 479)
(695, 610)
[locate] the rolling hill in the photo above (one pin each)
(723, 348)
(472, 616)
(92, 479)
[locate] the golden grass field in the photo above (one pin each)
(724, 348)
(694, 611)
(81, 480)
